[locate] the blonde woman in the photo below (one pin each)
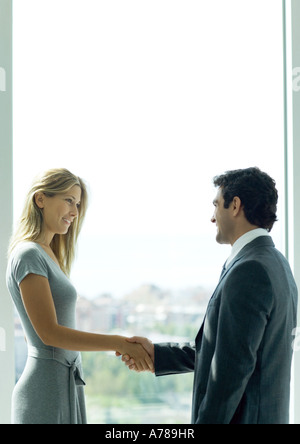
(50, 391)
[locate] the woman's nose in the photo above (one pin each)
(74, 211)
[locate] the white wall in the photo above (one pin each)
(6, 198)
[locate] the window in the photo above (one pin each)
(6, 312)
(147, 101)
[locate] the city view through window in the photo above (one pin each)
(146, 101)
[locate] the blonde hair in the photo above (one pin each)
(30, 225)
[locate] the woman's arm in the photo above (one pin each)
(38, 302)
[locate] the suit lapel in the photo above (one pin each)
(223, 274)
(258, 242)
(261, 241)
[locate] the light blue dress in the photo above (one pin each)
(50, 390)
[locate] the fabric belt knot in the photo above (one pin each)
(75, 376)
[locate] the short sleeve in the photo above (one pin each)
(28, 261)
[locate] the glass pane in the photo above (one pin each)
(148, 101)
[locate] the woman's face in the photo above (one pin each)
(59, 211)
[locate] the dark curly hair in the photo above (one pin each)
(257, 192)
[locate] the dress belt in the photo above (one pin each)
(75, 379)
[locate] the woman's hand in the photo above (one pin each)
(130, 361)
(138, 354)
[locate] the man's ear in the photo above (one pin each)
(236, 205)
(39, 199)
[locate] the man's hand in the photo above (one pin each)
(140, 357)
(146, 344)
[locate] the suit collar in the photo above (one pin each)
(262, 241)
(243, 240)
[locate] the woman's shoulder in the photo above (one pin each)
(26, 258)
(26, 253)
(25, 249)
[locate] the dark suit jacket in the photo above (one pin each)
(243, 351)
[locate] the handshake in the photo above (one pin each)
(138, 354)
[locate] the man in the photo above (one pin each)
(242, 355)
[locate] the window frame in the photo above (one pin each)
(291, 35)
(7, 366)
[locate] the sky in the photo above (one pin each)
(147, 101)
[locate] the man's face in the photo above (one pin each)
(223, 220)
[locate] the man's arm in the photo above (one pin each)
(172, 358)
(168, 358)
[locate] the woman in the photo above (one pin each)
(50, 391)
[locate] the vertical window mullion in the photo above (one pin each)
(7, 379)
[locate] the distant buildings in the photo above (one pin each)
(142, 310)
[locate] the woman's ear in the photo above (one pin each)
(39, 199)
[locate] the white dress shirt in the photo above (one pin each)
(243, 241)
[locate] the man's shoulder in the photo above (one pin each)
(248, 269)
